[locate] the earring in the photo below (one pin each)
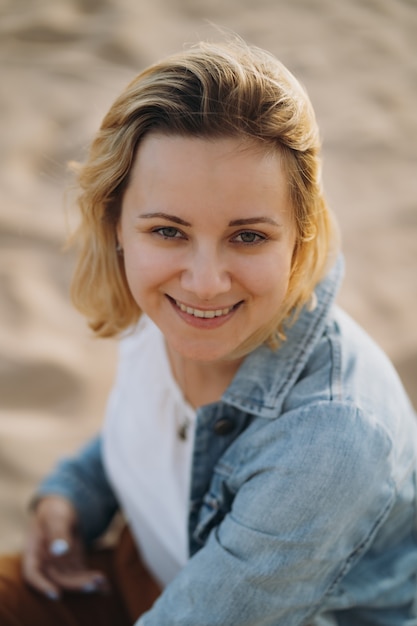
(119, 249)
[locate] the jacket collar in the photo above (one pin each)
(266, 376)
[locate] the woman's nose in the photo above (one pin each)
(206, 276)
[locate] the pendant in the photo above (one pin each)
(183, 430)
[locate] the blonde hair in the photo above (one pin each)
(210, 90)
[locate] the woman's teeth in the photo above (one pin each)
(201, 313)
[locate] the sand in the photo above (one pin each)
(62, 63)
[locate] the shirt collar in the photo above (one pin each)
(266, 376)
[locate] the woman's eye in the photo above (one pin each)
(168, 232)
(249, 237)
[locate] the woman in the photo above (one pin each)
(260, 446)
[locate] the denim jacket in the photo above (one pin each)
(303, 496)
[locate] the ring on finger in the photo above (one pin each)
(59, 547)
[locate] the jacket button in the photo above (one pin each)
(224, 426)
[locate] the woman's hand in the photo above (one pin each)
(53, 559)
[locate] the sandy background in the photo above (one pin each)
(62, 63)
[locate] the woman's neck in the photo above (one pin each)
(201, 382)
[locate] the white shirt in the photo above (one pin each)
(148, 464)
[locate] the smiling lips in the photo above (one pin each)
(206, 314)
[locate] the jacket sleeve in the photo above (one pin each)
(307, 503)
(83, 481)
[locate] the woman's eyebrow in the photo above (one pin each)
(239, 222)
(254, 220)
(164, 216)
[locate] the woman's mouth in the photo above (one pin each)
(204, 313)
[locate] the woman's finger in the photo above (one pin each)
(35, 577)
(50, 537)
(82, 579)
(59, 527)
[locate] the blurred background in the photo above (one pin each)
(62, 64)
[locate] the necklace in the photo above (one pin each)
(183, 428)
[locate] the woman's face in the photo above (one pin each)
(208, 235)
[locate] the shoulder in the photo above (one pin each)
(328, 438)
(346, 365)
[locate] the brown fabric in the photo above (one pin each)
(136, 586)
(133, 591)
